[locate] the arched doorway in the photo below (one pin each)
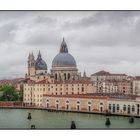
(47, 105)
(57, 106)
(78, 107)
(67, 107)
(89, 108)
(101, 109)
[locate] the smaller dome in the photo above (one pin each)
(40, 64)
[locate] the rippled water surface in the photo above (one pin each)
(17, 118)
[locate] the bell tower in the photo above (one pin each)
(31, 65)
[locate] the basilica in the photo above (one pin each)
(64, 88)
(64, 78)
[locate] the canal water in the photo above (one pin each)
(42, 119)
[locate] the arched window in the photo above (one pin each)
(109, 106)
(67, 101)
(64, 76)
(118, 107)
(133, 108)
(113, 107)
(124, 107)
(55, 76)
(57, 101)
(128, 111)
(68, 76)
(89, 103)
(78, 102)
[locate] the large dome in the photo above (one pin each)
(63, 59)
(40, 64)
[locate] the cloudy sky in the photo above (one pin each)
(98, 40)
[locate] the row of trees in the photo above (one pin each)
(9, 94)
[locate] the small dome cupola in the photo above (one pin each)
(40, 63)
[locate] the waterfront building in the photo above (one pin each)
(65, 89)
(103, 75)
(114, 86)
(94, 103)
(136, 86)
(106, 82)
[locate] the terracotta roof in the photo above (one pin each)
(60, 82)
(117, 81)
(137, 78)
(41, 82)
(29, 81)
(100, 73)
(105, 73)
(74, 82)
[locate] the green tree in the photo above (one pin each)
(9, 94)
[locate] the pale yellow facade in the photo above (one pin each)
(33, 91)
(136, 87)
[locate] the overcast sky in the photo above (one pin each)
(98, 40)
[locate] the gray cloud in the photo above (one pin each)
(7, 32)
(98, 40)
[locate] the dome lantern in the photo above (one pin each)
(63, 48)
